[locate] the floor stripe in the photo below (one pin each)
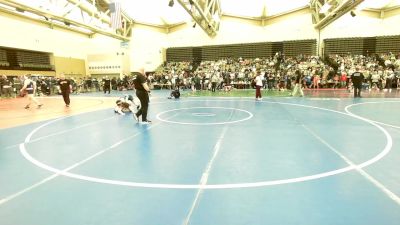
(62, 172)
(68, 130)
(58, 133)
(385, 151)
(206, 173)
(11, 197)
(379, 185)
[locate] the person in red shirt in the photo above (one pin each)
(343, 79)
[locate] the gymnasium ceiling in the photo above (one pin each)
(157, 12)
(92, 16)
(146, 12)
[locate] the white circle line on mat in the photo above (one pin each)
(158, 116)
(65, 172)
(347, 109)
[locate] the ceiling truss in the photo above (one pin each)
(336, 9)
(205, 13)
(94, 16)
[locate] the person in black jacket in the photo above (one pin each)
(142, 92)
(106, 85)
(357, 79)
(66, 89)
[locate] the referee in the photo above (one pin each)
(142, 92)
(357, 78)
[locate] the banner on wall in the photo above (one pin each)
(124, 44)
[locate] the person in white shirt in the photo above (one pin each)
(259, 84)
(375, 80)
(389, 75)
(214, 80)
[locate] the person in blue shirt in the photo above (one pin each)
(29, 88)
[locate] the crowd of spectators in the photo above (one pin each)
(48, 85)
(381, 72)
(88, 84)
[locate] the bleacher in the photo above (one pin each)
(362, 45)
(245, 50)
(300, 47)
(180, 54)
(343, 46)
(3, 58)
(20, 59)
(386, 44)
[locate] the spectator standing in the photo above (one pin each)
(1, 84)
(343, 79)
(106, 84)
(316, 80)
(214, 80)
(270, 81)
(297, 88)
(66, 89)
(258, 80)
(389, 78)
(7, 86)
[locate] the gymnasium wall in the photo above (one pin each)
(148, 44)
(147, 47)
(24, 72)
(71, 67)
(364, 24)
(110, 64)
(296, 26)
(22, 33)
